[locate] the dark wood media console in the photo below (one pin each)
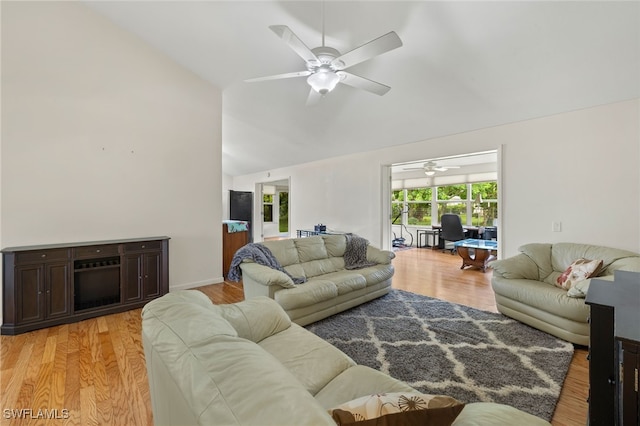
(56, 284)
(614, 350)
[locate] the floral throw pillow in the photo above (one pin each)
(398, 409)
(578, 271)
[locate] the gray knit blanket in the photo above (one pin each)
(355, 254)
(261, 255)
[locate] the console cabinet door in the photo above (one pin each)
(629, 392)
(602, 366)
(42, 291)
(132, 284)
(152, 274)
(29, 281)
(57, 289)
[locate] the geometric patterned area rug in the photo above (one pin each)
(438, 347)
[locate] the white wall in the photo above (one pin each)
(105, 138)
(227, 185)
(580, 168)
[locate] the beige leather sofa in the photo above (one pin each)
(524, 286)
(329, 289)
(248, 364)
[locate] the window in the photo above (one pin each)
(283, 218)
(397, 205)
(452, 199)
(475, 203)
(416, 203)
(267, 208)
(484, 196)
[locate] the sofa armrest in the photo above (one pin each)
(382, 257)
(519, 266)
(625, 264)
(265, 275)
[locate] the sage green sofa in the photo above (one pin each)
(524, 286)
(248, 364)
(329, 289)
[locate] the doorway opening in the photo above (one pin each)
(273, 209)
(419, 192)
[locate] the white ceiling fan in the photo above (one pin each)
(431, 167)
(326, 66)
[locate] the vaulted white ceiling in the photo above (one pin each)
(463, 66)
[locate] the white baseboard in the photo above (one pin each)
(186, 286)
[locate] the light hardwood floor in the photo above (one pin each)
(95, 369)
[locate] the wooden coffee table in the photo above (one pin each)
(483, 250)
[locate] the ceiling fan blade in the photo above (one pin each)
(363, 83)
(279, 76)
(313, 98)
(368, 50)
(295, 43)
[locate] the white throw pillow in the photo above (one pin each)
(579, 270)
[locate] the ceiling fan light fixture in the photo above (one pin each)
(323, 81)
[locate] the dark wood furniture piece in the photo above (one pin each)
(231, 242)
(54, 284)
(482, 252)
(614, 348)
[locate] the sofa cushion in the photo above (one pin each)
(310, 248)
(346, 281)
(411, 408)
(285, 251)
(335, 245)
(358, 381)
(312, 360)
(318, 267)
(256, 319)
(378, 273)
(579, 270)
(306, 294)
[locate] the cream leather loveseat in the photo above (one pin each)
(525, 289)
(248, 364)
(329, 287)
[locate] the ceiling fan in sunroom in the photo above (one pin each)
(431, 167)
(325, 66)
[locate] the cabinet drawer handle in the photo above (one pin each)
(43, 255)
(143, 246)
(98, 251)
